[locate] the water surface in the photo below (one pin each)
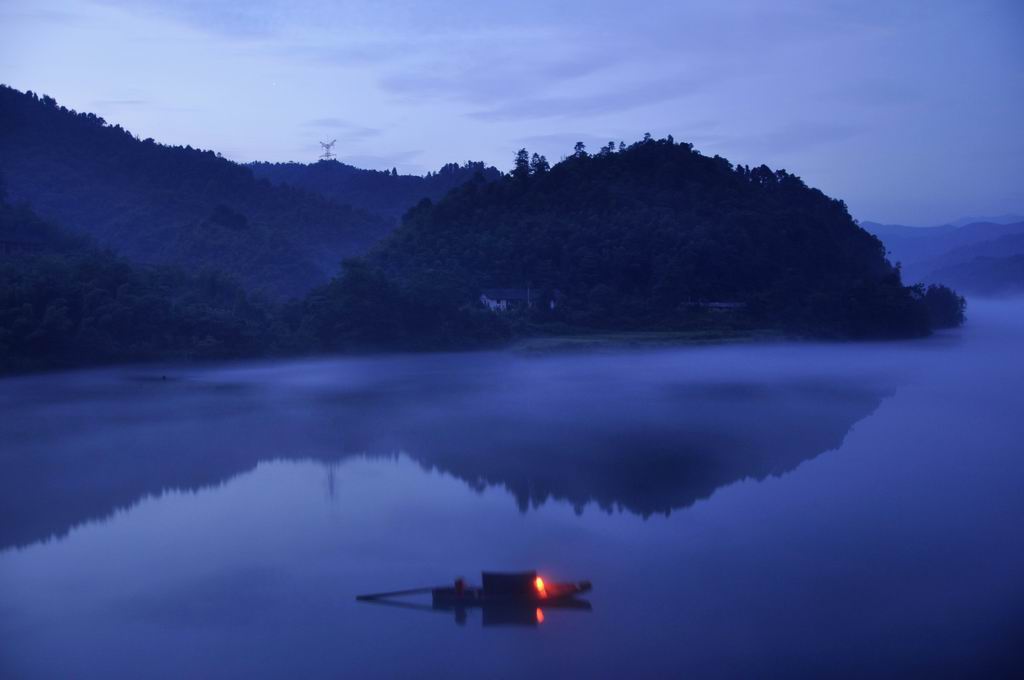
(778, 509)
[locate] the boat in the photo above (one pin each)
(505, 598)
(507, 588)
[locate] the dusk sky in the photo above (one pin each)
(909, 111)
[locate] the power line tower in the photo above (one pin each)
(327, 146)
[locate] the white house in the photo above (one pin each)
(506, 299)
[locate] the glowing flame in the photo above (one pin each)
(539, 583)
(540, 615)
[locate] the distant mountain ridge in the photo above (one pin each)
(175, 205)
(1008, 218)
(913, 244)
(379, 192)
(1000, 246)
(985, 275)
(969, 257)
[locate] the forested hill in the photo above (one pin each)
(160, 204)
(640, 237)
(381, 192)
(65, 303)
(630, 240)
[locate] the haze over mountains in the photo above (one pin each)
(979, 258)
(1008, 218)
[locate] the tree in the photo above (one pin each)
(539, 165)
(580, 150)
(946, 309)
(521, 169)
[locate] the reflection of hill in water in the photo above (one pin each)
(623, 431)
(646, 456)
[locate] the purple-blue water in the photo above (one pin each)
(743, 511)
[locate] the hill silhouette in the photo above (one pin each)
(173, 205)
(384, 193)
(646, 237)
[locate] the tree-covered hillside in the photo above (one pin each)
(645, 236)
(384, 193)
(650, 237)
(65, 303)
(178, 205)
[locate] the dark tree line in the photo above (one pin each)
(645, 236)
(64, 302)
(945, 308)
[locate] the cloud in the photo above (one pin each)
(344, 128)
(800, 147)
(234, 19)
(501, 74)
(346, 51)
(790, 138)
(613, 100)
(486, 67)
(326, 122)
(876, 91)
(15, 13)
(120, 102)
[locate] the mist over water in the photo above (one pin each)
(750, 509)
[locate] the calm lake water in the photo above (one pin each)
(743, 511)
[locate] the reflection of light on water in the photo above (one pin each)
(540, 615)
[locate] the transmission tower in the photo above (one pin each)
(327, 146)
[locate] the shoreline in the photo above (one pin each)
(539, 344)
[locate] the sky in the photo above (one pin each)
(909, 111)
